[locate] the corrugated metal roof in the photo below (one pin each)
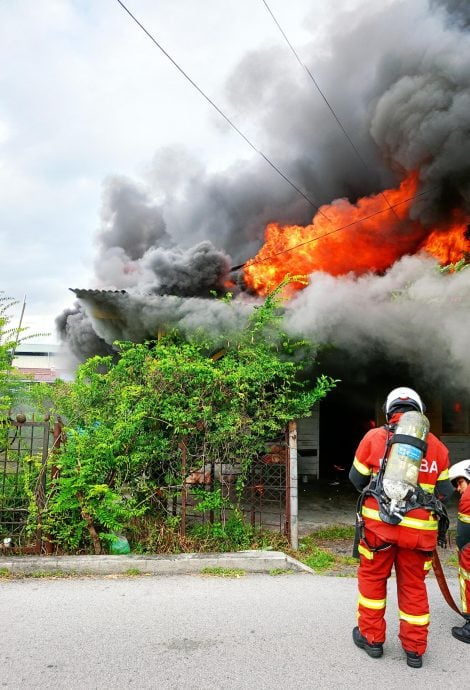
(80, 292)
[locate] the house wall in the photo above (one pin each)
(308, 445)
(458, 445)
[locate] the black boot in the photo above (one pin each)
(413, 659)
(463, 633)
(374, 650)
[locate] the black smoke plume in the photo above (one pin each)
(398, 77)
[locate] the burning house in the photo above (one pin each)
(391, 206)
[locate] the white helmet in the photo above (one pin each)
(403, 397)
(460, 469)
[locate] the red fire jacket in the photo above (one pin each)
(463, 520)
(418, 529)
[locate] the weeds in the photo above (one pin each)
(5, 573)
(334, 532)
(453, 561)
(315, 550)
(319, 559)
(216, 571)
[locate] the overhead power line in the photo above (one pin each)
(259, 152)
(221, 113)
(328, 104)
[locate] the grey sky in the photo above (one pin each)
(85, 94)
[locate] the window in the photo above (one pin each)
(455, 416)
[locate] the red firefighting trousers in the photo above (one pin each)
(464, 578)
(411, 567)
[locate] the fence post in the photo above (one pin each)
(293, 487)
(184, 490)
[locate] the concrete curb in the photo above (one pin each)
(181, 564)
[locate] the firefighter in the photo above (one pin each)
(459, 475)
(407, 545)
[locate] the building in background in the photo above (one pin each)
(42, 363)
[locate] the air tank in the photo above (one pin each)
(404, 460)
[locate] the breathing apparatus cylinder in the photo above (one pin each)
(408, 447)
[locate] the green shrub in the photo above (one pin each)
(139, 424)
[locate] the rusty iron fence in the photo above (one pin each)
(264, 501)
(24, 440)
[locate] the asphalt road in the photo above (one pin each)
(204, 633)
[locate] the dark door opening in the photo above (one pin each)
(345, 417)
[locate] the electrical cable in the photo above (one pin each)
(221, 113)
(227, 119)
(330, 107)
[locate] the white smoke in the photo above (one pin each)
(413, 314)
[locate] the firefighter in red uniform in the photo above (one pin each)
(459, 475)
(407, 545)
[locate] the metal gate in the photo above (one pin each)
(24, 440)
(266, 501)
(266, 498)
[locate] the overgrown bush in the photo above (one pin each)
(139, 425)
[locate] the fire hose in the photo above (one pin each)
(442, 582)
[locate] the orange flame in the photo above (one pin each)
(343, 237)
(448, 243)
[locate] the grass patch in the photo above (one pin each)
(322, 550)
(281, 571)
(42, 574)
(334, 532)
(216, 571)
(319, 559)
(453, 561)
(349, 560)
(133, 572)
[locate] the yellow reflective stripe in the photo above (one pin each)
(427, 487)
(371, 513)
(360, 467)
(443, 475)
(430, 524)
(463, 517)
(365, 552)
(427, 565)
(371, 603)
(464, 573)
(414, 620)
(463, 593)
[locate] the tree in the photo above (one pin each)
(10, 385)
(138, 425)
